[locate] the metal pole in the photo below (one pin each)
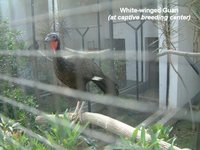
(98, 27)
(83, 42)
(111, 26)
(136, 47)
(89, 106)
(142, 47)
(33, 23)
(111, 65)
(137, 71)
(83, 36)
(34, 59)
(166, 4)
(53, 11)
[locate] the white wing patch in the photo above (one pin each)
(97, 78)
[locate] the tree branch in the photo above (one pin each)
(109, 124)
(178, 53)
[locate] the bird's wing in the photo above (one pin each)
(66, 65)
(94, 71)
(85, 68)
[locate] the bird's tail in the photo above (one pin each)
(107, 85)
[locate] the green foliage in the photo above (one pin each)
(11, 138)
(64, 135)
(57, 135)
(10, 38)
(164, 132)
(21, 116)
(156, 132)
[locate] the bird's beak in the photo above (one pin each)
(47, 39)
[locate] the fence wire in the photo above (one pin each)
(106, 54)
(102, 99)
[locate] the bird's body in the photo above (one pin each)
(76, 72)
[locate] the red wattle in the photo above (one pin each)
(54, 45)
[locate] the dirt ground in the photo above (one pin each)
(186, 136)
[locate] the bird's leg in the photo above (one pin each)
(75, 114)
(80, 110)
(77, 107)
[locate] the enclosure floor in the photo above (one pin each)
(151, 94)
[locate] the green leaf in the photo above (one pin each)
(172, 145)
(143, 137)
(154, 145)
(134, 135)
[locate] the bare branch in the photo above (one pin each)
(178, 53)
(109, 124)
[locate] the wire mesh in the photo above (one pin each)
(26, 68)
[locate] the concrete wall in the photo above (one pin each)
(183, 41)
(189, 76)
(122, 30)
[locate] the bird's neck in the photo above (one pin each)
(59, 63)
(58, 57)
(58, 46)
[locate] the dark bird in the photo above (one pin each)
(76, 72)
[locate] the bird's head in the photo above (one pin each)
(54, 40)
